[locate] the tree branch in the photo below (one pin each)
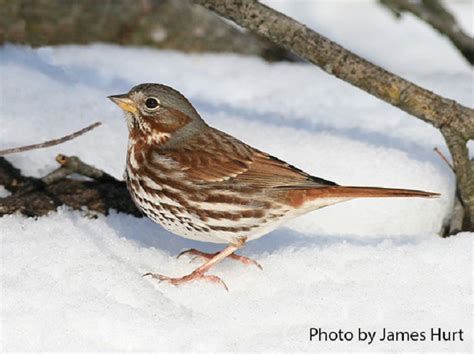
(454, 120)
(37, 197)
(464, 171)
(438, 17)
(166, 24)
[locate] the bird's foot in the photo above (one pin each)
(209, 256)
(197, 274)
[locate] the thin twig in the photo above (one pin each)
(50, 142)
(73, 164)
(438, 151)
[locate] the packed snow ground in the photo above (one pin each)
(72, 283)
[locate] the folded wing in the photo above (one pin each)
(214, 156)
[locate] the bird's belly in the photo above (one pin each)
(191, 226)
(207, 222)
(173, 218)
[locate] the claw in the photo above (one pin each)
(184, 252)
(246, 260)
(187, 278)
(215, 279)
(212, 259)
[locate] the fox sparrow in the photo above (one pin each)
(203, 184)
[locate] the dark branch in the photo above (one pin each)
(165, 24)
(36, 197)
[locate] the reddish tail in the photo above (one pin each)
(335, 194)
(368, 192)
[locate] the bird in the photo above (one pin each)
(204, 184)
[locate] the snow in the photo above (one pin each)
(71, 283)
(4, 192)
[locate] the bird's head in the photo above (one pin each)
(157, 112)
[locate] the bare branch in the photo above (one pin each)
(438, 17)
(457, 218)
(50, 142)
(464, 174)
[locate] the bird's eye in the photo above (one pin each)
(151, 103)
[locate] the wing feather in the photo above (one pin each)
(213, 156)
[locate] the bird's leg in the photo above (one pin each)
(207, 256)
(199, 273)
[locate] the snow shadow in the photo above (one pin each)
(149, 234)
(39, 60)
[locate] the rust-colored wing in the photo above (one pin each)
(213, 156)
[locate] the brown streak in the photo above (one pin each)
(231, 229)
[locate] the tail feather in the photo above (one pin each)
(323, 196)
(368, 192)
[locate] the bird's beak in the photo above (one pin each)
(124, 102)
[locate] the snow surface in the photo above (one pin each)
(73, 283)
